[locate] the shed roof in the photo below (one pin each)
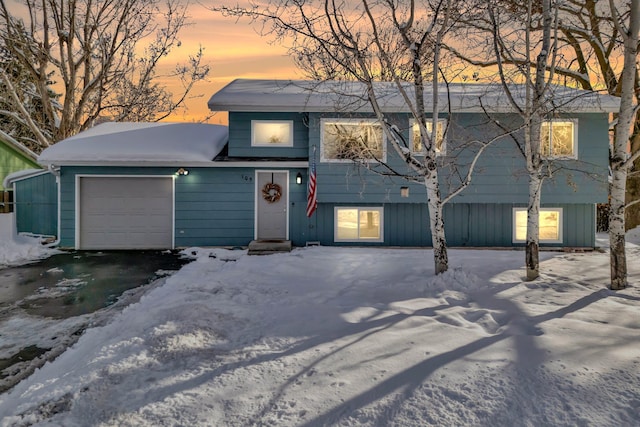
(329, 96)
(16, 146)
(145, 144)
(22, 174)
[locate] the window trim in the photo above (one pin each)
(560, 222)
(572, 156)
(339, 120)
(443, 150)
(379, 209)
(255, 143)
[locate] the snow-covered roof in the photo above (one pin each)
(9, 141)
(20, 175)
(147, 144)
(330, 96)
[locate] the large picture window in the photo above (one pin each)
(346, 140)
(416, 142)
(357, 224)
(558, 139)
(550, 224)
(272, 133)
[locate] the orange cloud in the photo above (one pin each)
(233, 49)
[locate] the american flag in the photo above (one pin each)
(312, 201)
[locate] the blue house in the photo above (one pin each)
(143, 186)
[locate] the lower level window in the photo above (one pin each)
(354, 224)
(550, 225)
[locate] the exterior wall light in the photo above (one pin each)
(299, 178)
(182, 171)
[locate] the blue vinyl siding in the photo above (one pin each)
(466, 225)
(213, 206)
(36, 201)
(240, 136)
(499, 177)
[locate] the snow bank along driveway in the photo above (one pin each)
(355, 337)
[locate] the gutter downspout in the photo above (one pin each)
(56, 172)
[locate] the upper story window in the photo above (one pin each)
(271, 133)
(558, 139)
(345, 140)
(416, 142)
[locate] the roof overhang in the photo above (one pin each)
(244, 95)
(139, 144)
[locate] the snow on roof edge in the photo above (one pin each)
(145, 143)
(22, 174)
(264, 95)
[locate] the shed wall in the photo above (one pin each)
(36, 200)
(13, 161)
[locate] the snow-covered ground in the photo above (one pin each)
(355, 337)
(15, 249)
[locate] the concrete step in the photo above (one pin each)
(266, 247)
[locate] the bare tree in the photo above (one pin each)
(591, 48)
(621, 161)
(364, 42)
(521, 43)
(84, 60)
(592, 38)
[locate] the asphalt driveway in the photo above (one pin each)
(45, 306)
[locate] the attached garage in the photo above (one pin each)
(122, 185)
(124, 212)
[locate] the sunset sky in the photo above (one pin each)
(233, 50)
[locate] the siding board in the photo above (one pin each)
(500, 175)
(36, 201)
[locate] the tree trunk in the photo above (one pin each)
(532, 258)
(616, 230)
(620, 162)
(436, 222)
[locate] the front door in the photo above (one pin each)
(272, 202)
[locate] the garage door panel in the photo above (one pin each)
(126, 213)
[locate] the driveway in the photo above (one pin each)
(45, 306)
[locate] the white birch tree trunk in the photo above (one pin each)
(532, 149)
(436, 221)
(532, 259)
(618, 257)
(620, 162)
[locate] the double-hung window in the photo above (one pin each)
(272, 133)
(558, 139)
(550, 225)
(440, 141)
(344, 140)
(358, 224)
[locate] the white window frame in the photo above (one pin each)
(560, 223)
(551, 156)
(443, 149)
(379, 209)
(257, 143)
(325, 121)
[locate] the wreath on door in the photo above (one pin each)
(271, 192)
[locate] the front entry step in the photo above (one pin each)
(266, 247)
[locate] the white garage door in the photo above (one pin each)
(125, 213)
